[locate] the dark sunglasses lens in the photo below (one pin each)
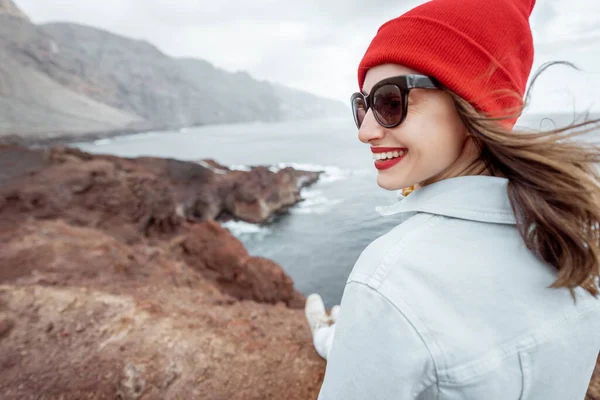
(387, 105)
(359, 109)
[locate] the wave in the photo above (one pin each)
(242, 229)
(138, 136)
(216, 170)
(331, 173)
(315, 202)
(239, 168)
(102, 142)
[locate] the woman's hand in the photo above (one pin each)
(322, 326)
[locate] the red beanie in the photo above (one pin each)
(482, 50)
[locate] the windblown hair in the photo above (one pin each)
(554, 189)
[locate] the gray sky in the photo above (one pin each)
(315, 45)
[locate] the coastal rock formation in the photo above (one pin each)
(137, 202)
(143, 195)
(107, 289)
(83, 313)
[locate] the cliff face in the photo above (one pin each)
(108, 287)
(68, 79)
(33, 103)
(7, 7)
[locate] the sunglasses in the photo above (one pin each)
(389, 99)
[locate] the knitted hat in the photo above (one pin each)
(482, 50)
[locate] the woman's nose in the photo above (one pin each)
(370, 129)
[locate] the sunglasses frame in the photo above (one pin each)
(404, 83)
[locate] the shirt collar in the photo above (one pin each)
(474, 198)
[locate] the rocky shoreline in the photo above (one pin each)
(117, 281)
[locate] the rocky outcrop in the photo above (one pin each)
(147, 201)
(89, 314)
(107, 288)
(145, 194)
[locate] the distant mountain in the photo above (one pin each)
(238, 96)
(68, 79)
(296, 104)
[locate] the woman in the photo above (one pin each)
(487, 289)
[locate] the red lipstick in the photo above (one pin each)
(389, 162)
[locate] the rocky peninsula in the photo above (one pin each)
(117, 281)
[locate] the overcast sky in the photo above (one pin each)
(315, 45)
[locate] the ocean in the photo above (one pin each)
(320, 239)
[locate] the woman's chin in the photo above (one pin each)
(389, 183)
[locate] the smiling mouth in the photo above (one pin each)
(389, 155)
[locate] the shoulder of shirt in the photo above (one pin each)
(382, 252)
(386, 253)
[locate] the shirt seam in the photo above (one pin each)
(382, 270)
(513, 347)
(383, 263)
(414, 328)
(485, 216)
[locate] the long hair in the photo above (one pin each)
(554, 189)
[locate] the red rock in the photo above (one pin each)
(95, 194)
(106, 289)
(212, 250)
(6, 325)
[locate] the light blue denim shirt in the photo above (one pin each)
(450, 305)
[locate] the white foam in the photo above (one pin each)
(213, 169)
(101, 142)
(242, 229)
(315, 202)
(331, 173)
(240, 168)
(137, 136)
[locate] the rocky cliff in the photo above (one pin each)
(66, 79)
(112, 287)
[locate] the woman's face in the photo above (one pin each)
(432, 135)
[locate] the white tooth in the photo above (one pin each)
(389, 154)
(396, 154)
(381, 156)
